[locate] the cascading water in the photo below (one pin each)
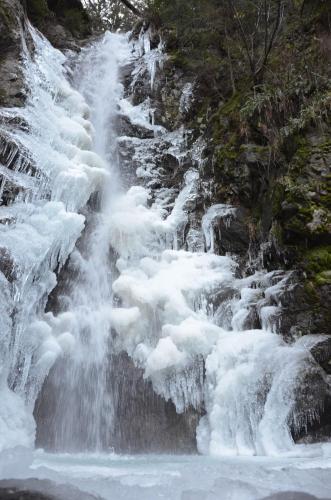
(49, 164)
(83, 409)
(136, 281)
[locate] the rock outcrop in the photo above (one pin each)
(13, 34)
(35, 489)
(64, 22)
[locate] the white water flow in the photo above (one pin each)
(84, 409)
(134, 282)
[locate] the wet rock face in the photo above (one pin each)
(142, 421)
(321, 352)
(12, 29)
(7, 265)
(145, 422)
(16, 494)
(65, 24)
(305, 308)
(232, 233)
(305, 210)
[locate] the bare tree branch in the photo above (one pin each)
(236, 17)
(257, 31)
(133, 9)
(268, 48)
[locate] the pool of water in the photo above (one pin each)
(151, 477)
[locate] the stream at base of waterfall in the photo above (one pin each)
(178, 310)
(171, 477)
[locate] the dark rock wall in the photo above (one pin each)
(64, 22)
(141, 422)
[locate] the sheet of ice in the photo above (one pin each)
(17, 426)
(141, 115)
(186, 97)
(150, 59)
(50, 160)
(59, 135)
(215, 212)
(176, 477)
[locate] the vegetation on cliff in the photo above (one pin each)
(262, 100)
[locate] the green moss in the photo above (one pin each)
(178, 59)
(308, 189)
(233, 105)
(297, 225)
(303, 152)
(318, 260)
(226, 124)
(302, 157)
(227, 152)
(325, 196)
(261, 152)
(323, 278)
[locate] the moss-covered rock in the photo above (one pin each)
(317, 261)
(305, 209)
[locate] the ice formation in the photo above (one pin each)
(170, 325)
(51, 164)
(181, 314)
(150, 59)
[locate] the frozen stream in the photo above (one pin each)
(152, 477)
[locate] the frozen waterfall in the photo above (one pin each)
(135, 281)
